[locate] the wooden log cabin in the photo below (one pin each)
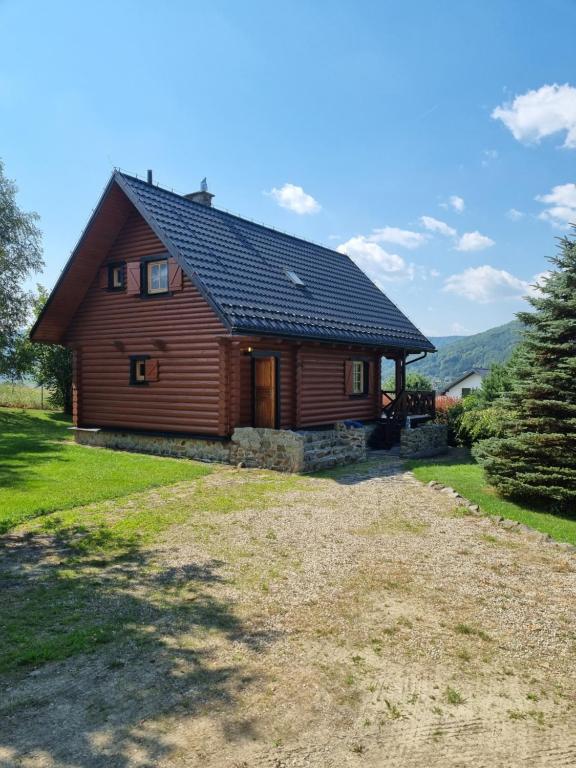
(187, 320)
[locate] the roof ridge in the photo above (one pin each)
(233, 215)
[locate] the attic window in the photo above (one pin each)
(293, 277)
(116, 276)
(157, 276)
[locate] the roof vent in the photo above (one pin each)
(203, 196)
(293, 277)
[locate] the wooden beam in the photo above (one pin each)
(224, 377)
(297, 393)
(400, 372)
(235, 393)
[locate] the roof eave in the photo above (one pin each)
(406, 347)
(67, 266)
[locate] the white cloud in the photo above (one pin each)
(469, 241)
(457, 203)
(515, 215)
(486, 284)
(375, 261)
(562, 202)
(404, 237)
(294, 199)
(473, 241)
(435, 225)
(540, 113)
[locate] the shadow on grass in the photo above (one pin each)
(131, 643)
(25, 441)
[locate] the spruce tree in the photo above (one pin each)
(536, 460)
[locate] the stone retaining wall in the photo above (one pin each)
(280, 449)
(290, 451)
(182, 447)
(422, 442)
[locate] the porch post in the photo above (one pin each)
(400, 373)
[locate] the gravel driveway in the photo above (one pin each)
(360, 620)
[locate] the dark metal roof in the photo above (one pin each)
(241, 269)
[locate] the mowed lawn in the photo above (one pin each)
(43, 471)
(461, 472)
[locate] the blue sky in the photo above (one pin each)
(432, 141)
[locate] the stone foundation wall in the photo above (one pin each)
(180, 447)
(422, 442)
(280, 449)
(290, 451)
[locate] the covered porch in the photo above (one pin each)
(402, 407)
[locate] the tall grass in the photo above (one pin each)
(21, 396)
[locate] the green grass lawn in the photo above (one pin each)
(463, 474)
(42, 470)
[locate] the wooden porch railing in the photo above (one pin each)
(396, 409)
(409, 402)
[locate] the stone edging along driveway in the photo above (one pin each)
(507, 524)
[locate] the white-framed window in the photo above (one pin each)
(117, 275)
(157, 276)
(140, 370)
(358, 377)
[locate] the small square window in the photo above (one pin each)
(157, 276)
(143, 369)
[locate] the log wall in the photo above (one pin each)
(181, 331)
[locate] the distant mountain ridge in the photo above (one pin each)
(458, 354)
(481, 350)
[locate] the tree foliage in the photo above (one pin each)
(536, 459)
(20, 257)
(52, 364)
(413, 381)
(483, 411)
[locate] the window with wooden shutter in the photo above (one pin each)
(151, 370)
(348, 383)
(133, 278)
(371, 377)
(174, 276)
(143, 369)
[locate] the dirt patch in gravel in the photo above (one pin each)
(358, 620)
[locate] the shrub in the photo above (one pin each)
(448, 411)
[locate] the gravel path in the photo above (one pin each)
(361, 620)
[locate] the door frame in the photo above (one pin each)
(277, 359)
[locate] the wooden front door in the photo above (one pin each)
(265, 392)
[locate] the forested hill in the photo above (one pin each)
(456, 356)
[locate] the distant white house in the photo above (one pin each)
(466, 383)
